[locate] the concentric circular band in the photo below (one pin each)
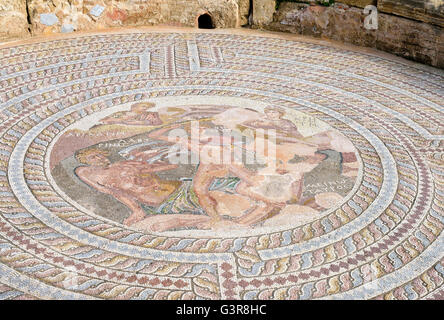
(383, 241)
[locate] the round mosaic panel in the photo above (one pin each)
(336, 191)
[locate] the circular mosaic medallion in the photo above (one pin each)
(213, 162)
(189, 165)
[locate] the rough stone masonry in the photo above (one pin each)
(409, 28)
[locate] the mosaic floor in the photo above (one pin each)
(348, 206)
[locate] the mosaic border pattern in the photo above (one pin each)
(384, 241)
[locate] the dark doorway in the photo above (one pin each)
(205, 22)
(250, 14)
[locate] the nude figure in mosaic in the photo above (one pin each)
(217, 195)
(208, 174)
(134, 183)
(285, 129)
(295, 155)
(280, 181)
(255, 194)
(138, 115)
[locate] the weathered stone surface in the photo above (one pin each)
(338, 22)
(440, 51)
(13, 19)
(409, 28)
(48, 19)
(430, 11)
(66, 13)
(97, 11)
(98, 14)
(404, 37)
(263, 11)
(244, 11)
(358, 3)
(411, 39)
(225, 13)
(67, 28)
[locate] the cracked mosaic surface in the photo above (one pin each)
(382, 239)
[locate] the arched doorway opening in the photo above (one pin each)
(205, 21)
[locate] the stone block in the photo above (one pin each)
(48, 19)
(430, 11)
(97, 11)
(67, 28)
(358, 3)
(410, 39)
(338, 22)
(13, 19)
(244, 12)
(263, 11)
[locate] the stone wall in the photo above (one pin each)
(13, 19)
(54, 16)
(430, 11)
(83, 15)
(409, 28)
(413, 29)
(263, 11)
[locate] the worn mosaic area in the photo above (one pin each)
(303, 167)
(92, 208)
